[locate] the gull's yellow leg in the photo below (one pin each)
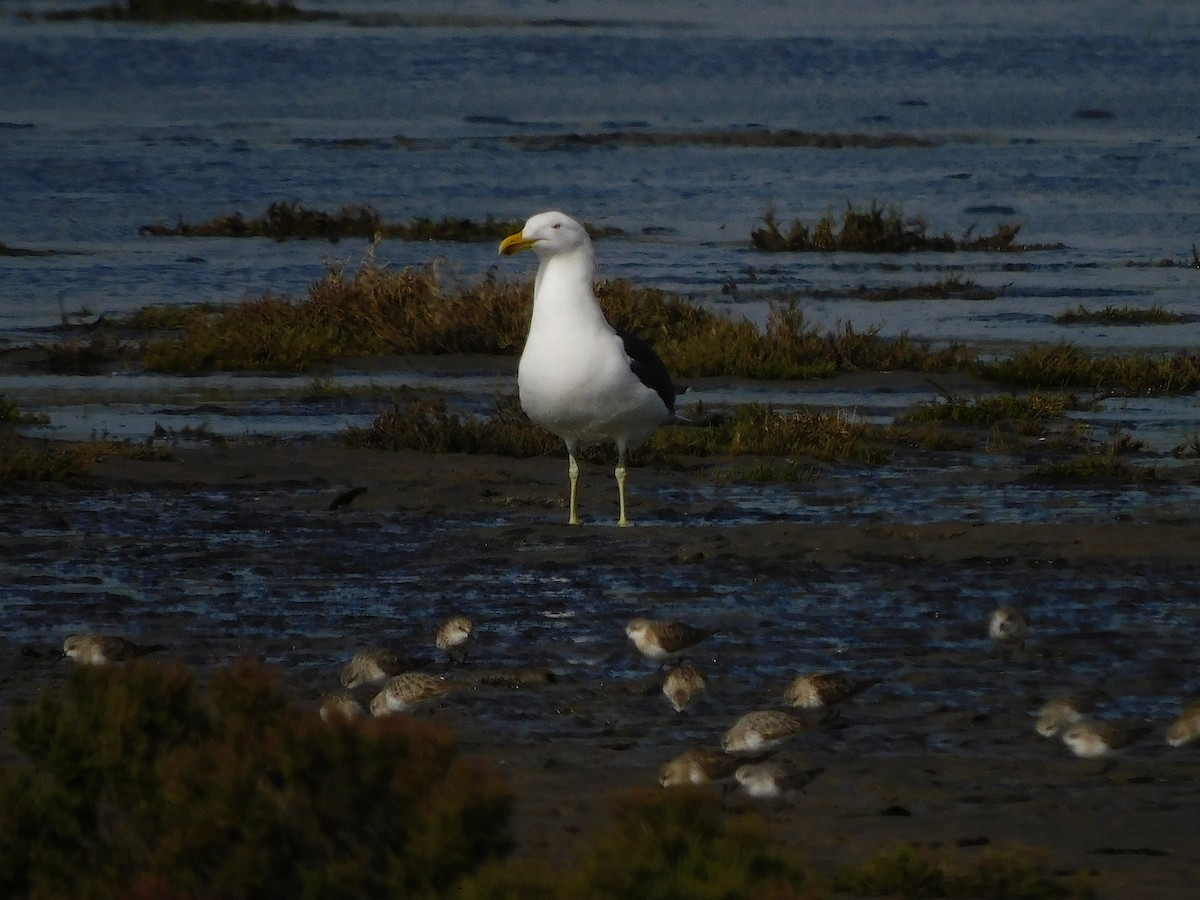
(573, 474)
(620, 473)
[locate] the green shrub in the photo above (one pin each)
(139, 783)
(909, 872)
(675, 845)
(672, 845)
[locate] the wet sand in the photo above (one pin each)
(227, 552)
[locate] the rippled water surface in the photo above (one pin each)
(1081, 127)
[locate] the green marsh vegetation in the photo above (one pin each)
(1103, 464)
(1068, 450)
(1121, 315)
(751, 430)
(1064, 366)
(28, 459)
(952, 287)
(375, 310)
(779, 445)
(11, 413)
(89, 356)
(139, 781)
(876, 229)
(756, 429)
(1030, 413)
(429, 426)
(23, 459)
(347, 314)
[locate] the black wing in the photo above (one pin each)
(646, 365)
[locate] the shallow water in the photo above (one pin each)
(1081, 127)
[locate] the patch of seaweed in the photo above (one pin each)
(749, 137)
(191, 11)
(6, 250)
(293, 221)
(951, 287)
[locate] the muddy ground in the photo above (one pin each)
(233, 551)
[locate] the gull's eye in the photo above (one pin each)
(557, 225)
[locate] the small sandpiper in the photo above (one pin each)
(1008, 626)
(99, 649)
(663, 640)
(373, 665)
(772, 779)
(1185, 728)
(683, 684)
(341, 706)
(1092, 740)
(764, 729)
(1061, 712)
(407, 691)
(698, 766)
(820, 689)
(454, 633)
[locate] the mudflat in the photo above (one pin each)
(298, 553)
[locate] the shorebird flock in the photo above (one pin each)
(399, 686)
(745, 755)
(1073, 716)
